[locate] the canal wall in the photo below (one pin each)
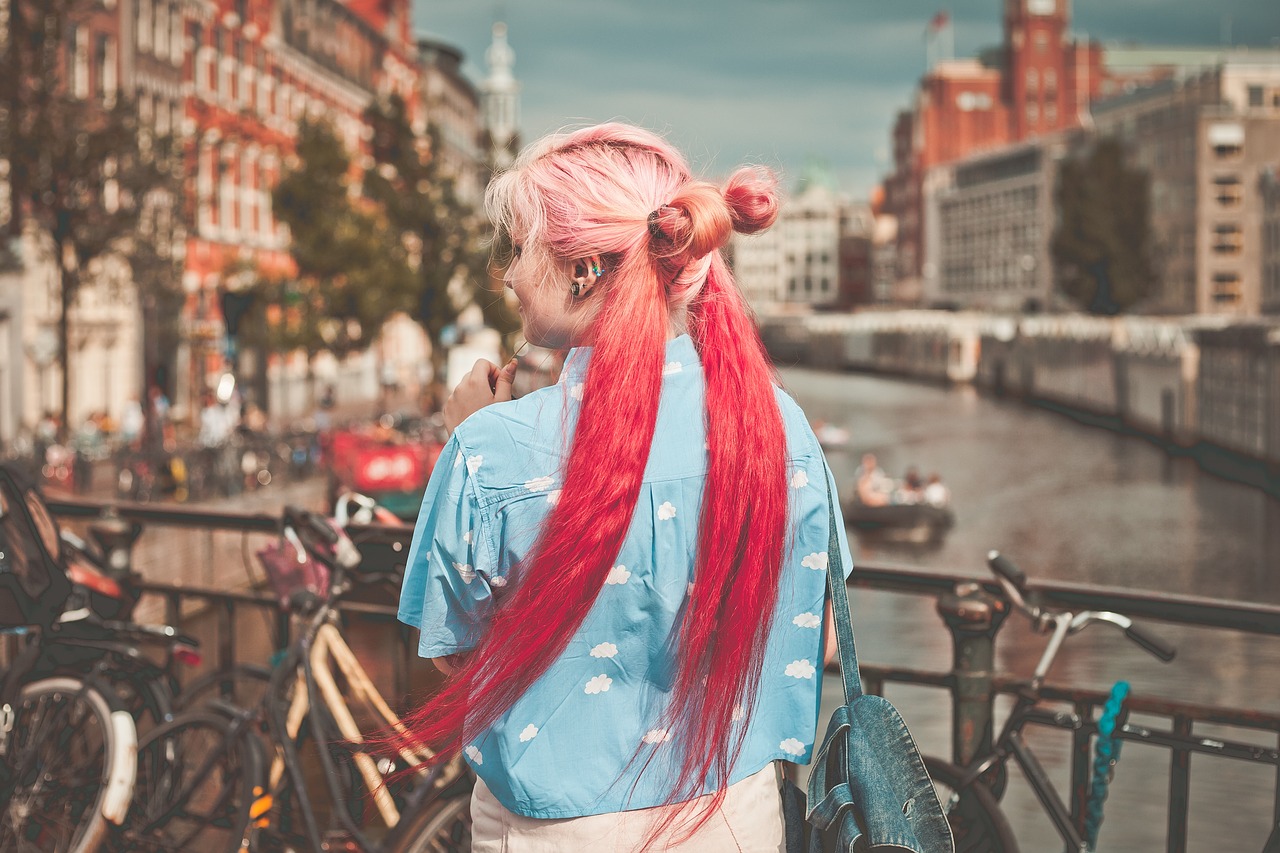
(1197, 386)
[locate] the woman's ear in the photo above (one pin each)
(586, 272)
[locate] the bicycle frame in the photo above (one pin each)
(311, 663)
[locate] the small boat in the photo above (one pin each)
(830, 436)
(916, 522)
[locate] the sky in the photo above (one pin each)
(784, 83)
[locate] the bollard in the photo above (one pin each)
(973, 616)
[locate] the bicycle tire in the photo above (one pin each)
(978, 825)
(69, 740)
(444, 828)
(198, 778)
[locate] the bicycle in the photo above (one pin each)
(66, 745)
(970, 794)
(379, 800)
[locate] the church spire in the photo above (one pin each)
(501, 98)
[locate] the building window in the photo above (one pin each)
(1033, 80)
(1050, 81)
(1041, 41)
(1226, 287)
(1228, 190)
(161, 38)
(1051, 112)
(1033, 113)
(1228, 238)
(1256, 96)
(104, 68)
(144, 25)
(78, 56)
(1226, 139)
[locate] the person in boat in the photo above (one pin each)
(935, 493)
(873, 485)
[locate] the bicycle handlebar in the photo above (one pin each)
(1153, 644)
(1015, 581)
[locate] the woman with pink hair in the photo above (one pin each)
(624, 574)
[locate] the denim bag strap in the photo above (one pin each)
(868, 790)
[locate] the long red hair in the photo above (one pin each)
(627, 195)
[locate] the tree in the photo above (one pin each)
(448, 255)
(353, 267)
(1102, 245)
(77, 165)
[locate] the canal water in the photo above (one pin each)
(1072, 503)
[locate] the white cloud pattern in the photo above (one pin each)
(600, 684)
(672, 367)
(617, 575)
(657, 736)
(575, 391)
(497, 581)
(799, 480)
(530, 732)
(791, 746)
(738, 713)
(457, 460)
(604, 650)
(539, 484)
(465, 572)
(667, 511)
(817, 562)
(473, 752)
(466, 537)
(807, 620)
(553, 497)
(800, 669)
(474, 463)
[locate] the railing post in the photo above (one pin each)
(973, 616)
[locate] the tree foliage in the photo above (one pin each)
(81, 168)
(1102, 246)
(353, 267)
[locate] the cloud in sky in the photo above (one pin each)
(777, 82)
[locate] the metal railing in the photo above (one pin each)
(973, 612)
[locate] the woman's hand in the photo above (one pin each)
(484, 385)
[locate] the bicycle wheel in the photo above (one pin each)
(446, 828)
(977, 823)
(198, 778)
(68, 769)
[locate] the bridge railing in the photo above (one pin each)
(972, 610)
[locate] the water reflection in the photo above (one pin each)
(1073, 503)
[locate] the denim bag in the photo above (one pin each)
(869, 790)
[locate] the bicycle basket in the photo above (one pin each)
(287, 575)
(33, 583)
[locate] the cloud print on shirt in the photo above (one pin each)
(657, 736)
(800, 669)
(474, 463)
(530, 732)
(791, 746)
(604, 650)
(617, 574)
(465, 572)
(667, 511)
(553, 497)
(600, 684)
(817, 562)
(807, 620)
(672, 367)
(473, 752)
(497, 580)
(799, 480)
(575, 390)
(539, 484)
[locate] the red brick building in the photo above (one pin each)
(1037, 82)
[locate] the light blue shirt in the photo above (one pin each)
(565, 748)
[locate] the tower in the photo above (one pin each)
(1035, 33)
(500, 99)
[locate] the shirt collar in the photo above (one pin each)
(681, 354)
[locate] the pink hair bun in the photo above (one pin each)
(752, 196)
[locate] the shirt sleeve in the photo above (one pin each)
(842, 533)
(447, 592)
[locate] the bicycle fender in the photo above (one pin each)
(115, 805)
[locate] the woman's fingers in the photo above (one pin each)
(502, 386)
(478, 388)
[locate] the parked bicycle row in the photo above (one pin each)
(105, 744)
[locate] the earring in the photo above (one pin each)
(575, 289)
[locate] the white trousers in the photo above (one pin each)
(748, 821)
